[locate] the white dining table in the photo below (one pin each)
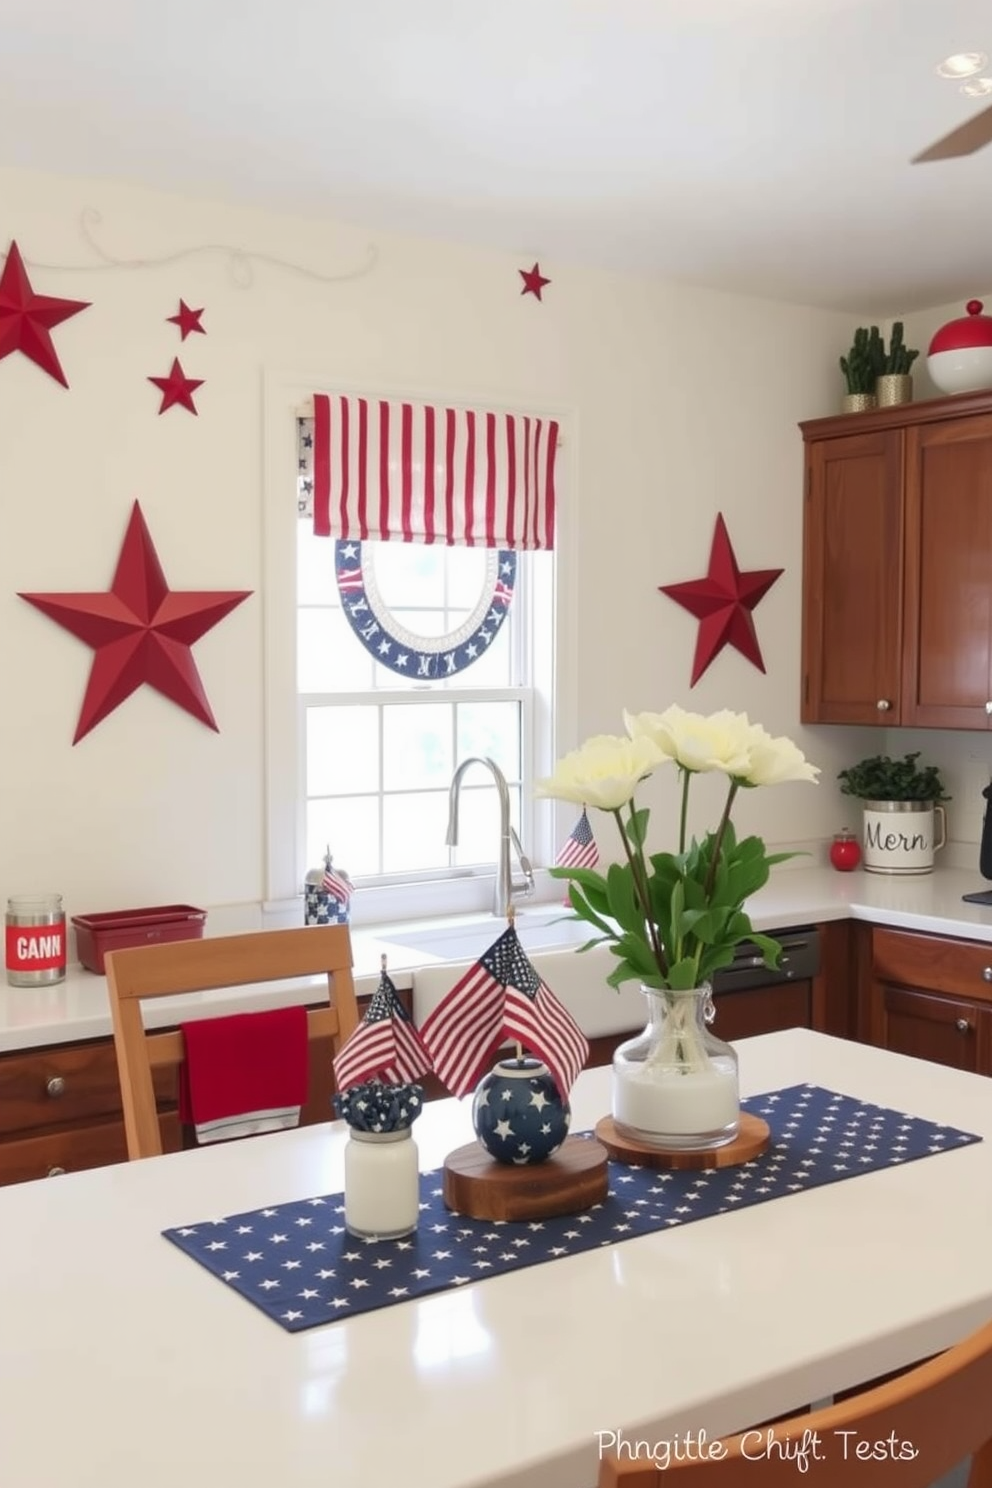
(123, 1362)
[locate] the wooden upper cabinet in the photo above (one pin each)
(947, 676)
(897, 566)
(852, 579)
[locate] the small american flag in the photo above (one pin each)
(502, 997)
(338, 884)
(579, 849)
(385, 1046)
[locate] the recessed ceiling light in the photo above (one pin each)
(962, 64)
(979, 87)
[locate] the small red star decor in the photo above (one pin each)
(177, 388)
(187, 320)
(722, 602)
(140, 631)
(27, 319)
(534, 281)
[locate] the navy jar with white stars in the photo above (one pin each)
(518, 1112)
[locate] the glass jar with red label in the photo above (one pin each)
(35, 942)
(845, 851)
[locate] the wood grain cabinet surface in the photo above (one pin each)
(930, 997)
(897, 549)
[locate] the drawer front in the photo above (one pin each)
(961, 967)
(72, 1151)
(45, 1087)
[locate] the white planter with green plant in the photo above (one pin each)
(904, 823)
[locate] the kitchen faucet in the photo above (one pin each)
(507, 887)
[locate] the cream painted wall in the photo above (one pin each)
(679, 403)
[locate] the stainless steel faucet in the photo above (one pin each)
(507, 887)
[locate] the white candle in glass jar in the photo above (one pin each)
(677, 1105)
(381, 1184)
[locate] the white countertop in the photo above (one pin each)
(123, 1362)
(77, 1008)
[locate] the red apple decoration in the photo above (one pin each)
(845, 852)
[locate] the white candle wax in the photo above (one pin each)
(381, 1186)
(677, 1105)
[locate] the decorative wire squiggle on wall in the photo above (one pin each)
(240, 261)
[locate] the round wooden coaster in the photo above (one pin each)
(752, 1139)
(575, 1178)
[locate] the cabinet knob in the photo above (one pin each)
(55, 1173)
(883, 705)
(987, 974)
(56, 1085)
(988, 707)
(962, 1025)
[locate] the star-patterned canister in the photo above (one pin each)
(518, 1112)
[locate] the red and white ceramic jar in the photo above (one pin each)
(960, 356)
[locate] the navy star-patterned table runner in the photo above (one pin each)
(297, 1263)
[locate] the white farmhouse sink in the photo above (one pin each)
(578, 979)
(470, 937)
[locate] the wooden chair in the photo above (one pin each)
(942, 1409)
(203, 965)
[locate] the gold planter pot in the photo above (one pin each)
(892, 388)
(859, 402)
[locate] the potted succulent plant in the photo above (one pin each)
(858, 368)
(893, 383)
(904, 820)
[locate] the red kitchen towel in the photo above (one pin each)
(244, 1074)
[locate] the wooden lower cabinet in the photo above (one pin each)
(53, 1153)
(930, 996)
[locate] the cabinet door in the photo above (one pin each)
(852, 579)
(947, 680)
(926, 1025)
(763, 1010)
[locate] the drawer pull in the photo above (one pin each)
(55, 1173)
(987, 974)
(54, 1088)
(962, 1025)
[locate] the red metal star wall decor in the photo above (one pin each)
(27, 319)
(140, 631)
(722, 602)
(534, 281)
(187, 320)
(177, 388)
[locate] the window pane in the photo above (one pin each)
(466, 575)
(315, 581)
(423, 622)
(342, 750)
(414, 829)
(491, 729)
(416, 746)
(349, 826)
(330, 657)
(492, 669)
(478, 819)
(406, 572)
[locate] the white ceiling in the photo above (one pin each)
(751, 145)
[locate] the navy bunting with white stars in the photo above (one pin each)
(300, 1267)
(411, 655)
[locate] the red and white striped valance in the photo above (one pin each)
(412, 473)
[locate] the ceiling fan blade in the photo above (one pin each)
(964, 140)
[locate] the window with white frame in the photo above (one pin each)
(415, 654)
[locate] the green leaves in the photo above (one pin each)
(674, 919)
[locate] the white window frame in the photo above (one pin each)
(286, 396)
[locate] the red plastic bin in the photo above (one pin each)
(96, 934)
